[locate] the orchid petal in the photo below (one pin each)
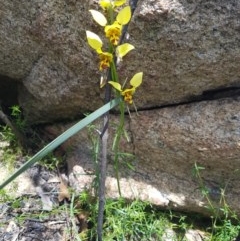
(94, 40)
(105, 4)
(118, 3)
(116, 85)
(124, 15)
(136, 79)
(131, 91)
(123, 49)
(98, 17)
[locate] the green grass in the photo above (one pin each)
(225, 224)
(131, 221)
(124, 220)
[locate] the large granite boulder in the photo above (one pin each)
(167, 145)
(184, 48)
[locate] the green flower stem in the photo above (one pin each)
(110, 14)
(120, 129)
(114, 71)
(116, 143)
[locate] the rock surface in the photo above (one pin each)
(184, 47)
(167, 143)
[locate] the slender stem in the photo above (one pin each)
(117, 143)
(102, 179)
(112, 75)
(103, 164)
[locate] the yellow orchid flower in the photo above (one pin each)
(105, 57)
(135, 82)
(105, 60)
(96, 43)
(105, 4)
(113, 31)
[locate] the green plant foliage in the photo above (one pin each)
(225, 230)
(50, 162)
(4, 196)
(16, 114)
(225, 223)
(93, 136)
(6, 134)
(131, 221)
(9, 149)
(126, 220)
